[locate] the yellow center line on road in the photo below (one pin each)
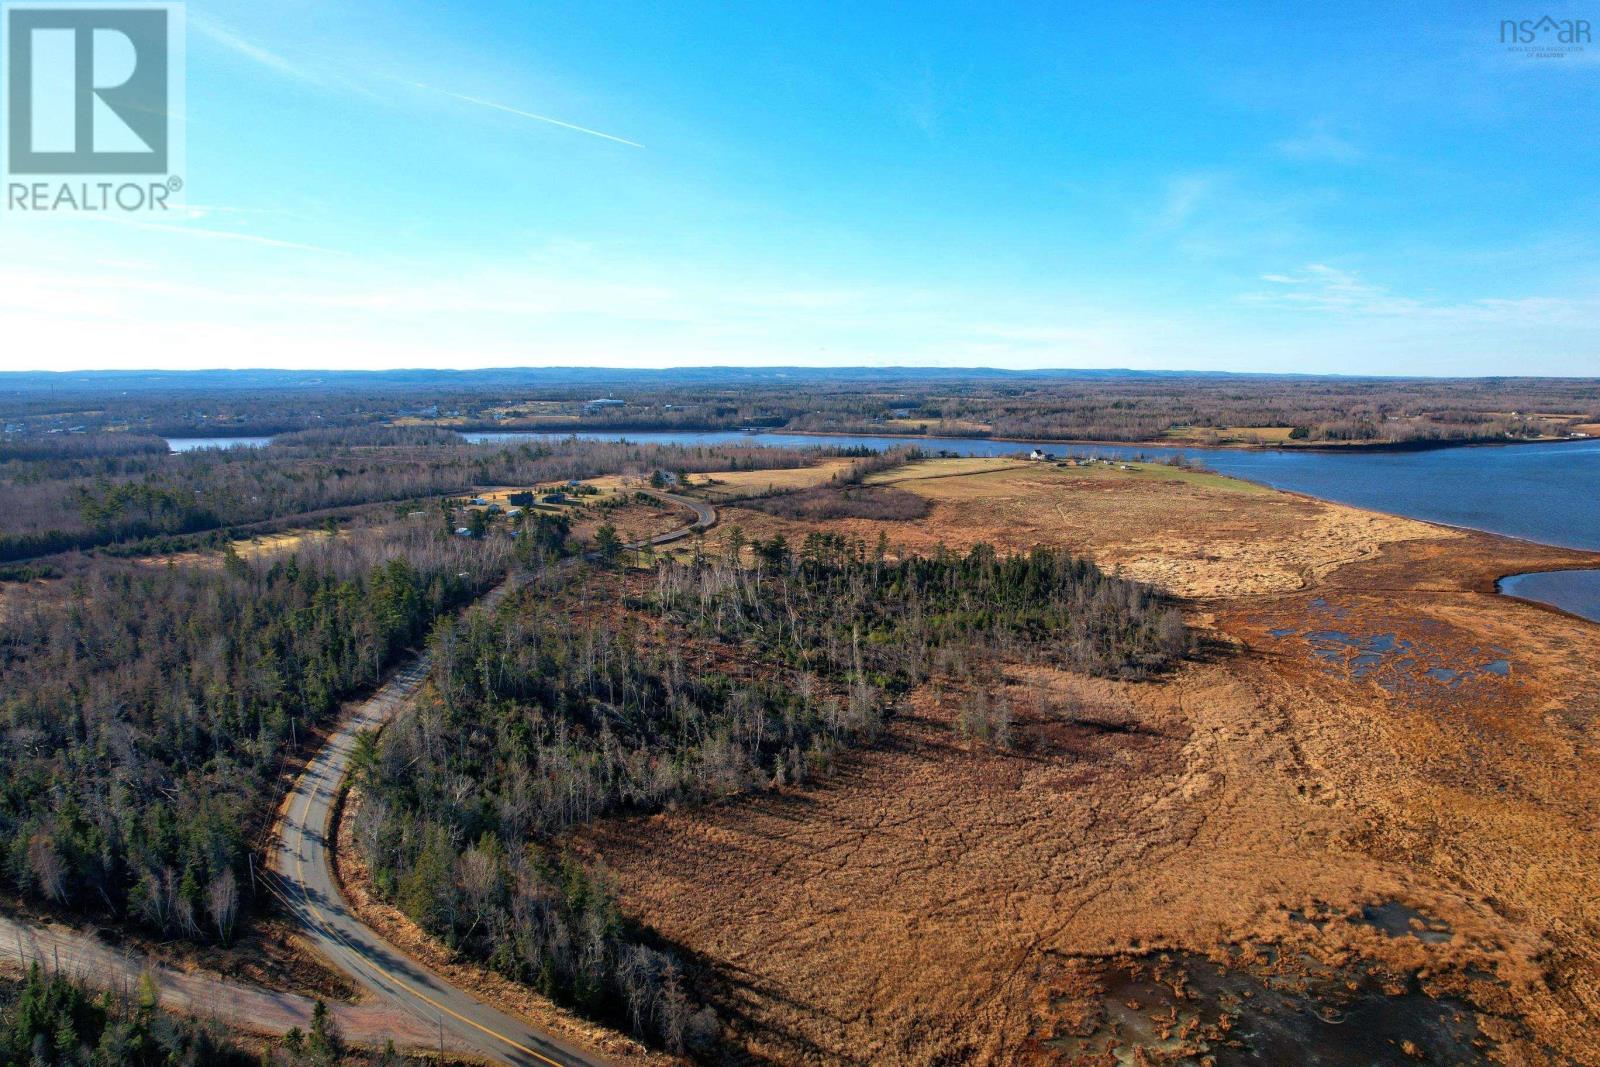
(323, 921)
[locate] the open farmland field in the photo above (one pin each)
(1194, 533)
(1371, 801)
(264, 546)
(936, 426)
(730, 485)
(943, 468)
(1255, 435)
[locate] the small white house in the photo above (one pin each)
(1040, 456)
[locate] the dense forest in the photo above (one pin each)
(604, 693)
(148, 710)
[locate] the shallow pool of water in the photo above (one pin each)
(1186, 1009)
(1574, 591)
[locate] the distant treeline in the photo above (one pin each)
(65, 499)
(1103, 405)
(79, 446)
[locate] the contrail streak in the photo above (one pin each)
(529, 115)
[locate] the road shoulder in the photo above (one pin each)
(498, 992)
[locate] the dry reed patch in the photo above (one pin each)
(911, 907)
(936, 901)
(1480, 779)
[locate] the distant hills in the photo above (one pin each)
(169, 381)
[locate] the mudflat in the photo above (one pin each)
(1362, 822)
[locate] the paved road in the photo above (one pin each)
(301, 857)
(705, 517)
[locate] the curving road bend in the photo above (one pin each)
(301, 858)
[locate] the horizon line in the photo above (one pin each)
(777, 368)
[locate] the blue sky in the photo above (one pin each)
(1339, 188)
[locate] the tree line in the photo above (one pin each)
(1060, 405)
(606, 693)
(74, 501)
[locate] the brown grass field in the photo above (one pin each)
(1256, 435)
(730, 485)
(634, 519)
(1375, 793)
(263, 547)
(934, 427)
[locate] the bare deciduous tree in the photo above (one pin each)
(222, 903)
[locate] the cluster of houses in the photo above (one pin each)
(1040, 456)
(514, 511)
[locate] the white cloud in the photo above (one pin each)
(1318, 287)
(1318, 143)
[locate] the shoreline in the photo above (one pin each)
(1429, 445)
(1499, 590)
